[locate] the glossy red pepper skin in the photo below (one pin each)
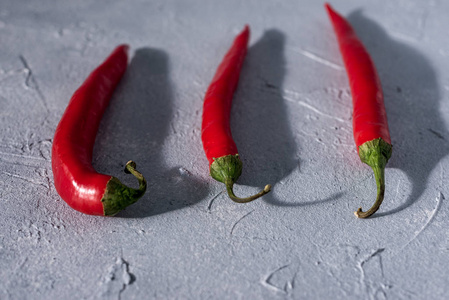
(219, 146)
(216, 132)
(75, 179)
(369, 117)
(370, 125)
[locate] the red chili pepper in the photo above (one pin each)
(370, 125)
(221, 151)
(75, 179)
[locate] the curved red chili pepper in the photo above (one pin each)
(221, 151)
(370, 125)
(75, 179)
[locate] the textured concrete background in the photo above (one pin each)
(291, 120)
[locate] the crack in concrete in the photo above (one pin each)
(22, 156)
(363, 280)
(314, 109)
(436, 133)
(127, 278)
(26, 179)
(318, 59)
(239, 220)
(266, 281)
(209, 206)
(30, 82)
(432, 216)
(376, 253)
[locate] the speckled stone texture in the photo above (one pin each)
(291, 121)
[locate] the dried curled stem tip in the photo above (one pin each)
(380, 197)
(130, 165)
(360, 213)
(380, 181)
(229, 188)
(267, 188)
(130, 168)
(375, 154)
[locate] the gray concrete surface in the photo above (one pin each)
(291, 120)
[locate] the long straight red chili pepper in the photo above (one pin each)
(75, 179)
(221, 151)
(370, 125)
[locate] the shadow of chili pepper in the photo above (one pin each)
(419, 135)
(135, 127)
(260, 123)
(259, 120)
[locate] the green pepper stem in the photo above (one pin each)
(130, 168)
(229, 186)
(379, 175)
(375, 153)
(227, 169)
(118, 196)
